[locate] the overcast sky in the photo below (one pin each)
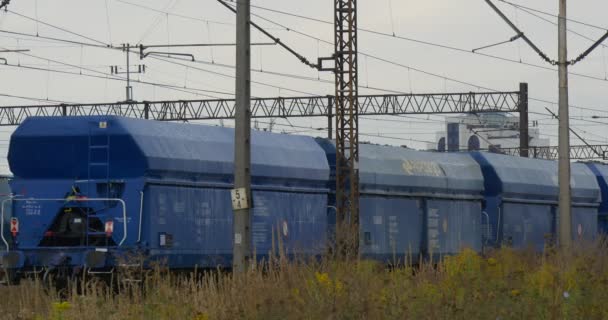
(464, 24)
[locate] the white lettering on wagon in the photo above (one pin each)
(423, 168)
(433, 229)
(121, 219)
(31, 208)
(393, 232)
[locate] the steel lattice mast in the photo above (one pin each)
(347, 123)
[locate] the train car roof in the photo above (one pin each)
(526, 178)
(59, 147)
(389, 169)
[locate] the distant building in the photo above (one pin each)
(485, 131)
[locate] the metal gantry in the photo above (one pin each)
(292, 107)
(577, 152)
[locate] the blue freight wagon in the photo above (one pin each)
(522, 196)
(91, 188)
(601, 172)
(415, 204)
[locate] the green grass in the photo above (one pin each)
(505, 284)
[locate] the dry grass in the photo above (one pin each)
(503, 285)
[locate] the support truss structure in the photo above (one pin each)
(315, 106)
(581, 152)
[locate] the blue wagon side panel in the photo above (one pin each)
(453, 225)
(584, 223)
(391, 228)
(527, 225)
(190, 226)
(297, 221)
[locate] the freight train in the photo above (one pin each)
(88, 191)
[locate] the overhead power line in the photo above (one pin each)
(275, 39)
(216, 64)
(175, 14)
(194, 91)
(554, 15)
(33, 99)
(535, 48)
(58, 28)
(156, 58)
(577, 135)
(101, 44)
(409, 39)
(554, 23)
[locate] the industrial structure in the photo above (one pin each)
(488, 131)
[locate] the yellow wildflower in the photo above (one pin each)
(339, 287)
(323, 278)
(201, 316)
(61, 306)
(492, 262)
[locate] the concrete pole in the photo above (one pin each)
(241, 195)
(565, 228)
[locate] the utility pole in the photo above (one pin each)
(565, 215)
(241, 195)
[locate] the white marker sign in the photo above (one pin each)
(240, 199)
